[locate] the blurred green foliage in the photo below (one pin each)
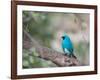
(82, 52)
(37, 24)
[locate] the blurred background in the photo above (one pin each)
(47, 29)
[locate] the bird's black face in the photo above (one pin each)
(63, 37)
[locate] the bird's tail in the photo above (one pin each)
(73, 56)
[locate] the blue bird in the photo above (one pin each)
(67, 46)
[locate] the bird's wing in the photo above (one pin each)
(69, 46)
(70, 50)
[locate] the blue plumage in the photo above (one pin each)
(67, 46)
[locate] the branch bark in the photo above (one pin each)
(49, 54)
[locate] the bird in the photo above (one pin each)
(67, 46)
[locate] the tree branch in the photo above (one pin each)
(49, 54)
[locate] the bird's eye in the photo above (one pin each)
(63, 37)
